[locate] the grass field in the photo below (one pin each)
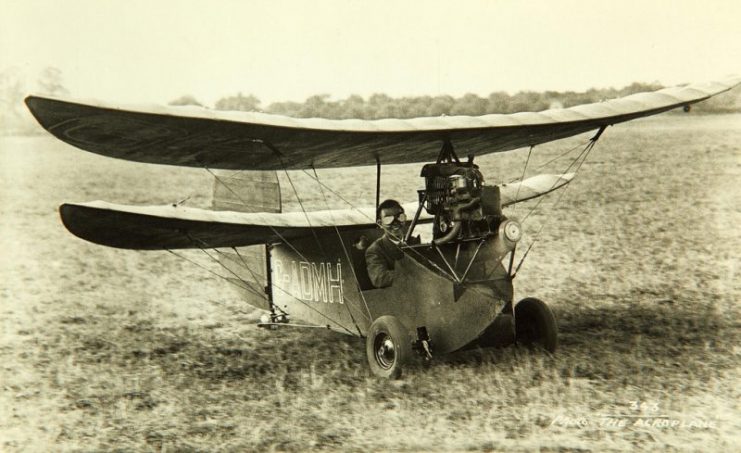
(104, 349)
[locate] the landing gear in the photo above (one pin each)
(388, 347)
(535, 325)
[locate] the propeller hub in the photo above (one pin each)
(512, 230)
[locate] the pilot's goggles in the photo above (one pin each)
(390, 219)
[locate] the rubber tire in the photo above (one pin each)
(535, 324)
(389, 327)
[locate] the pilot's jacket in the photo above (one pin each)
(380, 258)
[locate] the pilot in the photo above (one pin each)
(384, 252)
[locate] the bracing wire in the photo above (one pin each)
(585, 153)
(338, 195)
(301, 204)
(258, 282)
(265, 297)
(352, 206)
(272, 228)
(522, 178)
(567, 152)
(289, 244)
(427, 260)
(579, 159)
(293, 248)
(316, 239)
(248, 288)
(344, 248)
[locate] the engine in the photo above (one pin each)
(463, 208)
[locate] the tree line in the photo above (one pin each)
(379, 106)
(15, 118)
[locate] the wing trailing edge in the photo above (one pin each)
(199, 137)
(180, 227)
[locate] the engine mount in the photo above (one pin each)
(456, 196)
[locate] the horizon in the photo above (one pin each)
(287, 51)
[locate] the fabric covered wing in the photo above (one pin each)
(197, 137)
(532, 187)
(177, 227)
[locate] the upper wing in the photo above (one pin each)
(198, 137)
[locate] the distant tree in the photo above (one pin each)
(248, 103)
(469, 104)
(380, 105)
(440, 105)
(638, 87)
(332, 109)
(391, 109)
(185, 100)
(353, 107)
(14, 117)
(285, 108)
(498, 102)
(314, 106)
(50, 82)
(528, 101)
(11, 90)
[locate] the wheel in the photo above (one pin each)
(388, 347)
(535, 324)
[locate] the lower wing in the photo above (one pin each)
(179, 227)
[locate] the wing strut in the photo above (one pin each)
(378, 183)
(447, 153)
(522, 178)
(585, 153)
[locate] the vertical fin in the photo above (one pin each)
(247, 191)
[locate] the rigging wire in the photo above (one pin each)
(338, 195)
(581, 155)
(568, 151)
(249, 288)
(285, 241)
(421, 256)
(316, 239)
(522, 178)
(301, 204)
(344, 248)
(246, 266)
(263, 296)
(429, 261)
(443, 273)
(272, 228)
(585, 153)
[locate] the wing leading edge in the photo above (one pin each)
(179, 227)
(198, 137)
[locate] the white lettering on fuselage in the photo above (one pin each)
(313, 282)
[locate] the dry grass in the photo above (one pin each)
(105, 349)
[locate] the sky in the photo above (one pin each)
(155, 51)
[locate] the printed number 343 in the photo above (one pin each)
(644, 406)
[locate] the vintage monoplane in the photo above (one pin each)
(450, 292)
